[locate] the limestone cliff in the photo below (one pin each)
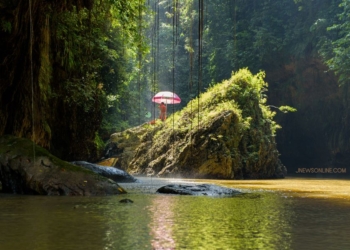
(317, 136)
(228, 132)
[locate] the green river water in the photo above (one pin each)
(255, 220)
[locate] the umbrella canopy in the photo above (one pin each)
(167, 97)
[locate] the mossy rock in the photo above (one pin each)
(29, 169)
(227, 133)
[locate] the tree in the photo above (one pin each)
(55, 85)
(335, 48)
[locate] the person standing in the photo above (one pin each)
(162, 109)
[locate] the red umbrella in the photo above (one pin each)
(167, 97)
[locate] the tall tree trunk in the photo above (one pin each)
(25, 76)
(27, 108)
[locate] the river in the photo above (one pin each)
(258, 219)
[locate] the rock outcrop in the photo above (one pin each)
(112, 173)
(230, 136)
(198, 190)
(29, 169)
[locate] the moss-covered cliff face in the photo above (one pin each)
(317, 136)
(228, 132)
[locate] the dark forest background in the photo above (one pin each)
(73, 72)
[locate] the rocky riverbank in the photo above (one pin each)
(29, 169)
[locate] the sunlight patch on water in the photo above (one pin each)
(245, 222)
(302, 187)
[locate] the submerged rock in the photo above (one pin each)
(126, 201)
(115, 174)
(29, 169)
(202, 189)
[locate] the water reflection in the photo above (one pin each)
(162, 223)
(252, 221)
(258, 220)
(33, 222)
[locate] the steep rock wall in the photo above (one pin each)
(317, 135)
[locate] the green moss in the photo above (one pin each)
(227, 132)
(25, 147)
(100, 145)
(240, 94)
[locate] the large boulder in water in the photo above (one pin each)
(115, 174)
(29, 169)
(199, 190)
(227, 133)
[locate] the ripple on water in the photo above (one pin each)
(256, 220)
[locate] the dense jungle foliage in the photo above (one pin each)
(75, 71)
(60, 62)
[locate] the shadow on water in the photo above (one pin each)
(255, 220)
